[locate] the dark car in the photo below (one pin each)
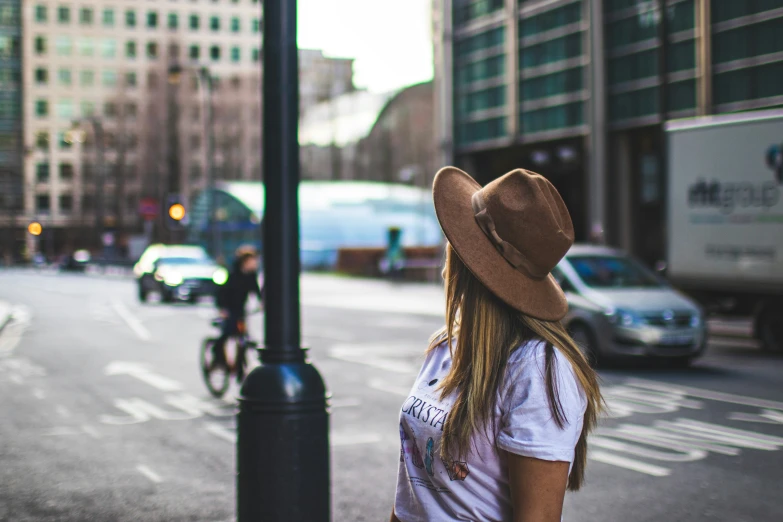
(178, 273)
(76, 262)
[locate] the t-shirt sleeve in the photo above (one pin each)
(527, 424)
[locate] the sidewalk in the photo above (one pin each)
(372, 295)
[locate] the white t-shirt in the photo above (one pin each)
(432, 490)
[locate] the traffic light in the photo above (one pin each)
(35, 228)
(175, 212)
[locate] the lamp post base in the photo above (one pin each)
(283, 441)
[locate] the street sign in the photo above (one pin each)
(148, 208)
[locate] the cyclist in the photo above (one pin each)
(232, 297)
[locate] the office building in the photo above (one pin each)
(578, 90)
(103, 68)
(11, 149)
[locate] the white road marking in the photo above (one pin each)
(343, 439)
(706, 394)
(144, 374)
(384, 357)
(147, 472)
(92, 432)
(221, 432)
(38, 393)
(131, 320)
(378, 384)
(765, 417)
(62, 411)
(139, 411)
(625, 462)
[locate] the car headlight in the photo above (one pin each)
(695, 320)
(172, 279)
(220, 276)
(624, 318)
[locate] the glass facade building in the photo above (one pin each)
(10, 127)
(578, 90)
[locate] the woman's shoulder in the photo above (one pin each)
(527, 367)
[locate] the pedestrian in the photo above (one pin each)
(495, 427)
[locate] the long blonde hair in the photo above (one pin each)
(487, 331)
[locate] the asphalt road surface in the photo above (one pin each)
(105, 417)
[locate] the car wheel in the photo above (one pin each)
(142, 293)
(681, 362)
(166, 296)
(584, 337)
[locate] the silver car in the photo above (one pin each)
(617, 308)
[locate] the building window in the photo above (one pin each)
(195, 172)
(466, 11)
(66, 171)
(65, 109)
(130, 18)
(256, 24)
(64, 140)
(66, 203)
(63, 14)
(40, 45)
(108, 17)
(214, 53)
(491, 67)
(41, 108)
(174, 51)
(131, 109)
(152, 80)
(110, 109)
(569, 46)
(85, 16)
(88, 109)
(41, 76)
(633, 67)
(748, 41)
(42, 140)
(87, 78)
(194, 52)
(629, 31)
(64, 46)
(235, 25)
(235, 54)
(561, 82)
(42, 203)
(42, 172)
(682, 95)
(256, 54)
(214, 23)
(130, 49)
(481, 130)
(173, 21)
(152, 19)
(64, 75)
(130, 79)
(40, 13)
(634, 104)
(109, 48)
(549, 20)
(552, 118)
(152, 50)
(109, 78)
(194, 22)
(86, 47)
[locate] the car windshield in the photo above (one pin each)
(613, 272)
(182, 261)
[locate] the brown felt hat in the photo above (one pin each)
(510, 234)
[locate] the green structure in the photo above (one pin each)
(11, 144)
(579, 90)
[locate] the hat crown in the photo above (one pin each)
(530, 215)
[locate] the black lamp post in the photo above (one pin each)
(283, 427)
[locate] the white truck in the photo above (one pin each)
(725, 216)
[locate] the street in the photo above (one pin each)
(105, 416)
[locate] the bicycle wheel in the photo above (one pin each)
(215, 373)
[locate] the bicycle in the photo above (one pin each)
(217, 374)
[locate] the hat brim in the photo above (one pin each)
(452, 192)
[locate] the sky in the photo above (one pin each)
(390, 40)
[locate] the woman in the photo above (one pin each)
(495, 428)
